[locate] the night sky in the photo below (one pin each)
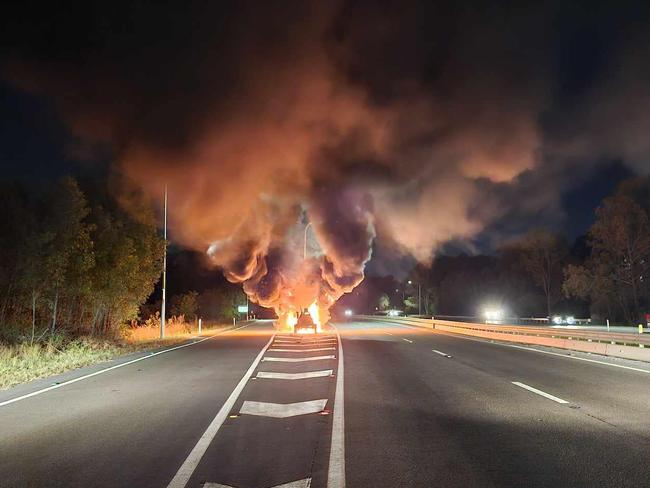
(467, 125)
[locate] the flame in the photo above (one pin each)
(314, 311)
(305, 331)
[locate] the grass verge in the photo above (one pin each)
(21, 363)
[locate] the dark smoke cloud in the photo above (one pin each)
(419, 122)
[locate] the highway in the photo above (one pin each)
(368, 404)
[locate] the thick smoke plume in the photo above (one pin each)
(416, 122)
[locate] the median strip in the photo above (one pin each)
(182, 477)
(538, 392)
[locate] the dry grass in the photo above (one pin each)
(24, 362)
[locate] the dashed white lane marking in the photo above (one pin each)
(306, 483)
(441, 353)
(297, 360)
(336, 469)
(184, 473)
(567, 356)
(539, 392)
(294, 376)
(388, 333)
(86, 376)
(303, 350)
(408, 340)
(282, 410)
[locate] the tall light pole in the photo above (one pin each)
(419, 297)
(304, 252)
(164, 276)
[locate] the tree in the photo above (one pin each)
(620, 242)
(186, 304)
(384, 302)
(128, 255)
(221, 304)
(68, 247)
(542, 253)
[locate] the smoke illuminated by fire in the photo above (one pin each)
(391, 122)
(276, 270)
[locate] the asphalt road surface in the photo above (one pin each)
(364, 405)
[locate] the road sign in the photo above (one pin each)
(242, 308)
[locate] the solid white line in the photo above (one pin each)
(294, 376)
(489, 341)
(297, 360)
(408, 340)
(189, 465)
(539, 392)
(336, 470)
(282, 410)
(303, 350)
(105, 370)
(441, 353)
(572, 357)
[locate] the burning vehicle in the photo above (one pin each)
(305, 324)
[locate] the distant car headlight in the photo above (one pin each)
(348, 313)
(570, 320)
(557, 320)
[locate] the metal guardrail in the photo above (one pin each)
(619, 338)
(622, 345)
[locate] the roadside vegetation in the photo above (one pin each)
(77, 273)
(603, 275)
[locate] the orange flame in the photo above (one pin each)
(314, 311)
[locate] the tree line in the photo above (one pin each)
(72, 259)
(603, 275)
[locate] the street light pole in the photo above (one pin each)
(164, 276)
(304, 252)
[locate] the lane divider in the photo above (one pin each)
(336, 468)
(441, 353)
(408, 340)
(539, 392)
(192, 461)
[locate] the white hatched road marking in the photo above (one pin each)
(282, 410)
(336, 469)
(303, 350)
(539, 392)
(441, 353)
(408, 340)
(306, 483)
(186, 470)
(294, 376)
(307, 343)
(297, 360)
(86, 376)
